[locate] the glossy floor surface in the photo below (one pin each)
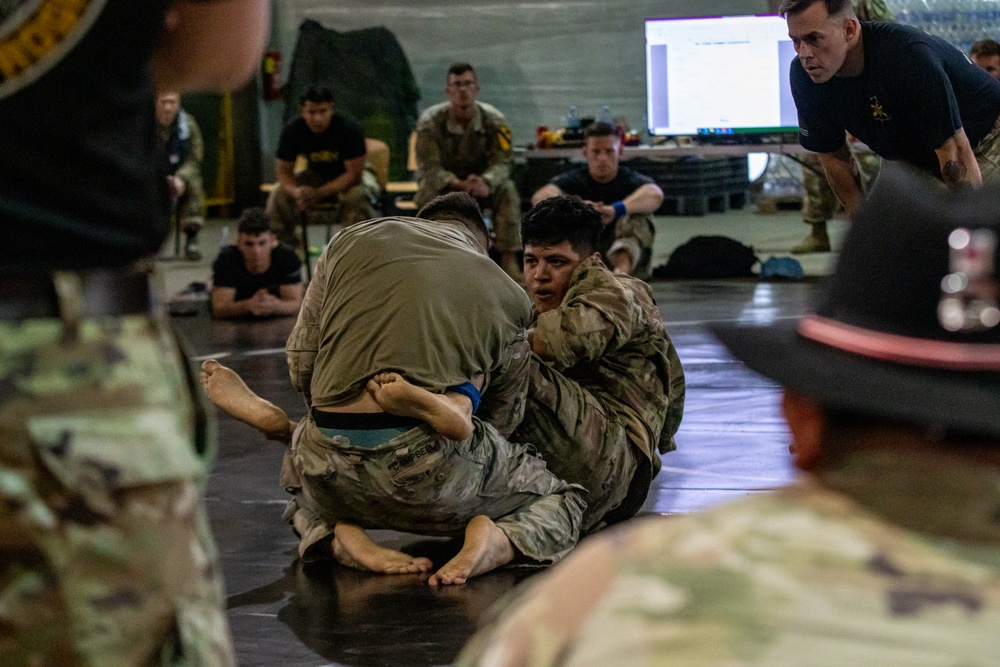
(732, 443)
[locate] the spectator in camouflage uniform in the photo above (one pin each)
(625, 199)
(466, 146)
(606, 389)
(818, 199)
(886, 552)
(105, 556)
(352, 466)
(184, 149)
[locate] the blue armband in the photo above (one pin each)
(468, 390)
(619, 207)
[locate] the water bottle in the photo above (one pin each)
(573, 119)
(606, 115)
(224, 241)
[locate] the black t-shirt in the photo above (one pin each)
(81, 180)
(326, 152)
(578, 182)
(228, 270)
(916, 91)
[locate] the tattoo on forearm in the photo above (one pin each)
(955, 175)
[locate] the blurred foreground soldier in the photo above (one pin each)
(909, 96)
(887, 551)
(466, 146)
(106, 557)
(184, 150)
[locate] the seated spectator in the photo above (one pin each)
(258, 277)
(466, 146)
(986, 54)
(332, 189)
(182, 142)
(625, 199)
(885, 552)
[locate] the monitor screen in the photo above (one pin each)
(723, 75)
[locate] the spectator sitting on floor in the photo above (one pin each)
(184, 149)
(258, 277)
(625, 199)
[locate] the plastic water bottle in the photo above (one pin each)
(606, 115)
(573, 119)
(224, 241)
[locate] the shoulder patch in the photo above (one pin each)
(36, 34)
(505, 138)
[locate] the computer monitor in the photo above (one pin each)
(719, 78)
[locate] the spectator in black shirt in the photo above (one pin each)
(625, 199)
(258, 277)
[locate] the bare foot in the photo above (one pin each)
(352, 548)
(448, 414)
(231, 395)
(486, 548)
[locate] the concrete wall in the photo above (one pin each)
(534, 58)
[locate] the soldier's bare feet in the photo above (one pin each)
(448, 414)
(230, 394)
(352, 548)
(486, 548)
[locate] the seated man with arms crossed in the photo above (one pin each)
(887, 551)
(625, 199)
(257, 277)
(352, 465)
(606, 388)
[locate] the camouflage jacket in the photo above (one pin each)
(872, 10)
(446, 151)
(184, 147)
(890, 560)
(607, 335)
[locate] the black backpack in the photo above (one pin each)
(709, 257)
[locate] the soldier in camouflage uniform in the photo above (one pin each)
(818, 199)
(466, 146)
(888, 551)
(606, 389)
(376, 470)
(105, 554)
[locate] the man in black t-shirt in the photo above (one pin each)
(908, 95)
(332, 188)
(625, 199)
(257, 277)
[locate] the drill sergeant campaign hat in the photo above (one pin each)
(908, 328)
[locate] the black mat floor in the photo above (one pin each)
(732, 443)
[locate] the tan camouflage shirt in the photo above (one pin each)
(446, 151)
(890, 560)
(607, 335)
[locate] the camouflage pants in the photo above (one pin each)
(190, 206)
(423, 483)
(988, 155)
(584, 444)
(504, 203)
(105, 551)
(634, 234)
(352, 206)
(819, 203)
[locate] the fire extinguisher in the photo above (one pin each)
(271, 70)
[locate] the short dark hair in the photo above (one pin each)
(317, 94)
(599, 129)
(985, 48)
(461, 207)
(461, 68)
(563, 218)
(833, 7)
(254, 221)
